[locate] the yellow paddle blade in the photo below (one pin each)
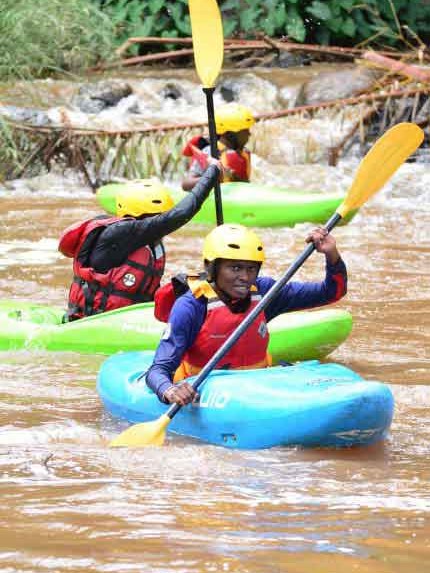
(208, 39)
(145, 434)
(383, 159)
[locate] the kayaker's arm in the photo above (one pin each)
(303, 295)
(168, 222)
(120, 239)
(185, 321)
(189, 181)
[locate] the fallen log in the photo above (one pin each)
(363, 98)
(409, 70)
(143, 59)
(261, 43)
(232, 44)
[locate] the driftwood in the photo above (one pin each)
(364, 98)
(238, 45)
(409, 70)
(101, 155)
(165, 127)
(264, 42)
(335, 152)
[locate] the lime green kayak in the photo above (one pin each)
(249, 204)
(294, 336)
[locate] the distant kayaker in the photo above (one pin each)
(233, 123)
(201, 319)
(119, 261)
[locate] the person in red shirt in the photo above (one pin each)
(233, 123)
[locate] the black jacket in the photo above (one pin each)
(115, 242)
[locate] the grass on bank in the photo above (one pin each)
(41, 37)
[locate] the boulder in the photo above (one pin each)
(94, 98)
(338, 84)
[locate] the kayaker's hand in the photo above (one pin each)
(181, 394)
(221, 168)
(324, 243)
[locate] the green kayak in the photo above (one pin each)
(249, 204)
(294, 336)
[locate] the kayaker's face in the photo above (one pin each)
(235, 278)
(236, 139)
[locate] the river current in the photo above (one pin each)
(70, 504)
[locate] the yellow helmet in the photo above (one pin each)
(143, 197)
(233, 117)
(233, 242)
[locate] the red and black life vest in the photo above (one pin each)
(92, 292)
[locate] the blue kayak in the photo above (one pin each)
(308, 404)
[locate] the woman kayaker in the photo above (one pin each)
(210, 310)
(119, 261)
(233, 123)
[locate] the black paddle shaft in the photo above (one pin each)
(262, 305)
(214, 151)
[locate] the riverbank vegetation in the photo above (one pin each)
(332, 22)
(39, 38)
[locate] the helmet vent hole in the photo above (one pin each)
(233, 246)
(156, 201)
(259, 248)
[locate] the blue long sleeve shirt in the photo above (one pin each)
(188, 314)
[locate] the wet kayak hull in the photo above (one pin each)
(293, 336)
(249, 204)
(308, 404)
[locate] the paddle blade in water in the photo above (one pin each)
(380, 163)
(208, 39)
(145, 434)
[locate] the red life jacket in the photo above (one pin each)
(166, 295)
(250, 351)
(193, 150)
(92, 292)
(239, 162)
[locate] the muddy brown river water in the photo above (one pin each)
(69, 504)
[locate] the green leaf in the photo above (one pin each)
(335, 8)
(145, 28)
(319, 10)
(229, 27)
(346, 4)
(280, 16)
(275, 19)
(248, 19)
(181, 20)
(295, 25)
(335, 24)
(349, 27)
(229, 5)
(154, 5)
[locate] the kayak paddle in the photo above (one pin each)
(208, 46)
(379, 164)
